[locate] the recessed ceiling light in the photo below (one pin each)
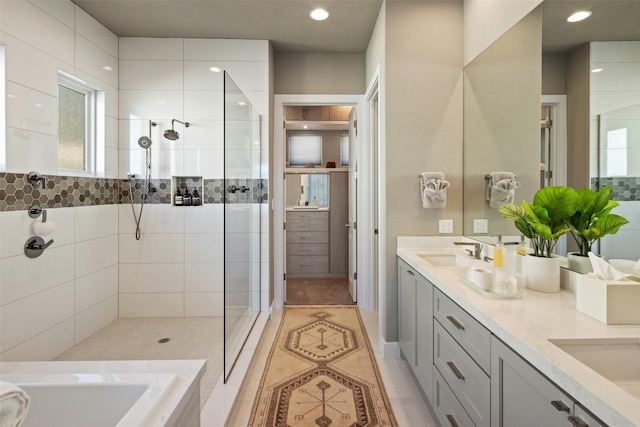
(215, 69)
(107, 68)
(242, 103)
(305, 127)
(319, 14)
(579, 16)
(596, 70)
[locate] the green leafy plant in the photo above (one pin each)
(593, 218)
(544, 221)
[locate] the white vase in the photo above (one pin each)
(542, 274)
(579, 263)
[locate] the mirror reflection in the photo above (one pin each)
(587, 76)
(307, 190)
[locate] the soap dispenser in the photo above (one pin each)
(497, 253)
(186, 198)
(195, 197)
(177, 199)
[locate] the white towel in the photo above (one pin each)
(433, 190)
(14, 404)
(503, 191)
(495, 177)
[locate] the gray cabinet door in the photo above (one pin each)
(521, 396)
(424, 335)
(407, 311)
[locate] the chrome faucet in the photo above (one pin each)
(477, 249)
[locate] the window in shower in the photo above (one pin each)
(78, 124)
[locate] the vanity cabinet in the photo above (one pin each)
(522, 396)
(415, 324)
(462, 357)
(307, 243)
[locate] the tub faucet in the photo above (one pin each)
(477, 249)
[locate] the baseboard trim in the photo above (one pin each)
(389, 350)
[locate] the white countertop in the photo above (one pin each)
(527, 324)
(189, 373)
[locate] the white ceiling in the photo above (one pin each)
(285, 22)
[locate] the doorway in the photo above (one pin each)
(319, 204)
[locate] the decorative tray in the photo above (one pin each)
(492, 295)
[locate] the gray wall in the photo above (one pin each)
(578, 117)
(553, 74)
(423, 124)
(319, 73)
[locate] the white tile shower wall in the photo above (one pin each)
(41, 39)
(614, 88)
(182, 87)
(65, 294)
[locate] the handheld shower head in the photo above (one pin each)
(145, 141)
(172, 134)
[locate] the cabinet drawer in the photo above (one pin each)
(447, 408)
(307, 237)
(467, 381)
(297, 249)
(475, 338)
(308, 221)
(307, 264)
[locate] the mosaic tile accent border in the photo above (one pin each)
(17, 193)
(625, 189)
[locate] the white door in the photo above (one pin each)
(353, 191)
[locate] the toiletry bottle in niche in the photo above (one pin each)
(177, 199)
(497, 253)
(186, 198)
(195, 197)
(314, 202)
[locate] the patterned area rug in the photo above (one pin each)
(321, 372)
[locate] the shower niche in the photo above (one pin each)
(187, 191)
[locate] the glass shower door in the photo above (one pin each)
(241, 220)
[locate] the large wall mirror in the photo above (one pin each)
(502, 113)
(501, 123)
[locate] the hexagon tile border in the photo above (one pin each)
(17, 193)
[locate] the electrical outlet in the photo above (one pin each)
(446, 226)
(480, 225)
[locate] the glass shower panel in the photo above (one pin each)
(241, 220)
(619, 167)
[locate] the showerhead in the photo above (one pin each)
(144, 142)
(172, 134)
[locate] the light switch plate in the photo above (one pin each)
(480, 225)
(446, 226)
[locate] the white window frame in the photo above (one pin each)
(344, 137)
(91, 107)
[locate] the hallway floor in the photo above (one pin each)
(408, 405)
(318, 291)
(139, 339)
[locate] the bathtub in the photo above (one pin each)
(93, 399)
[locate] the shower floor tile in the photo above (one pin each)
(138, 339)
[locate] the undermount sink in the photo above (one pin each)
(617, 359)
(439, 259)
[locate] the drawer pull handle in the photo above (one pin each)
(560, 405)
(452, 421)
(455, 370)
(455, 322)
(578, 422)
(410, 273)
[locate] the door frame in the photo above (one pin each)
(277, 188)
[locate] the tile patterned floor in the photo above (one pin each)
(137, 339)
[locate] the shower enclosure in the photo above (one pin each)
(242, 198)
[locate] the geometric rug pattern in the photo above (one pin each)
(321, 371)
